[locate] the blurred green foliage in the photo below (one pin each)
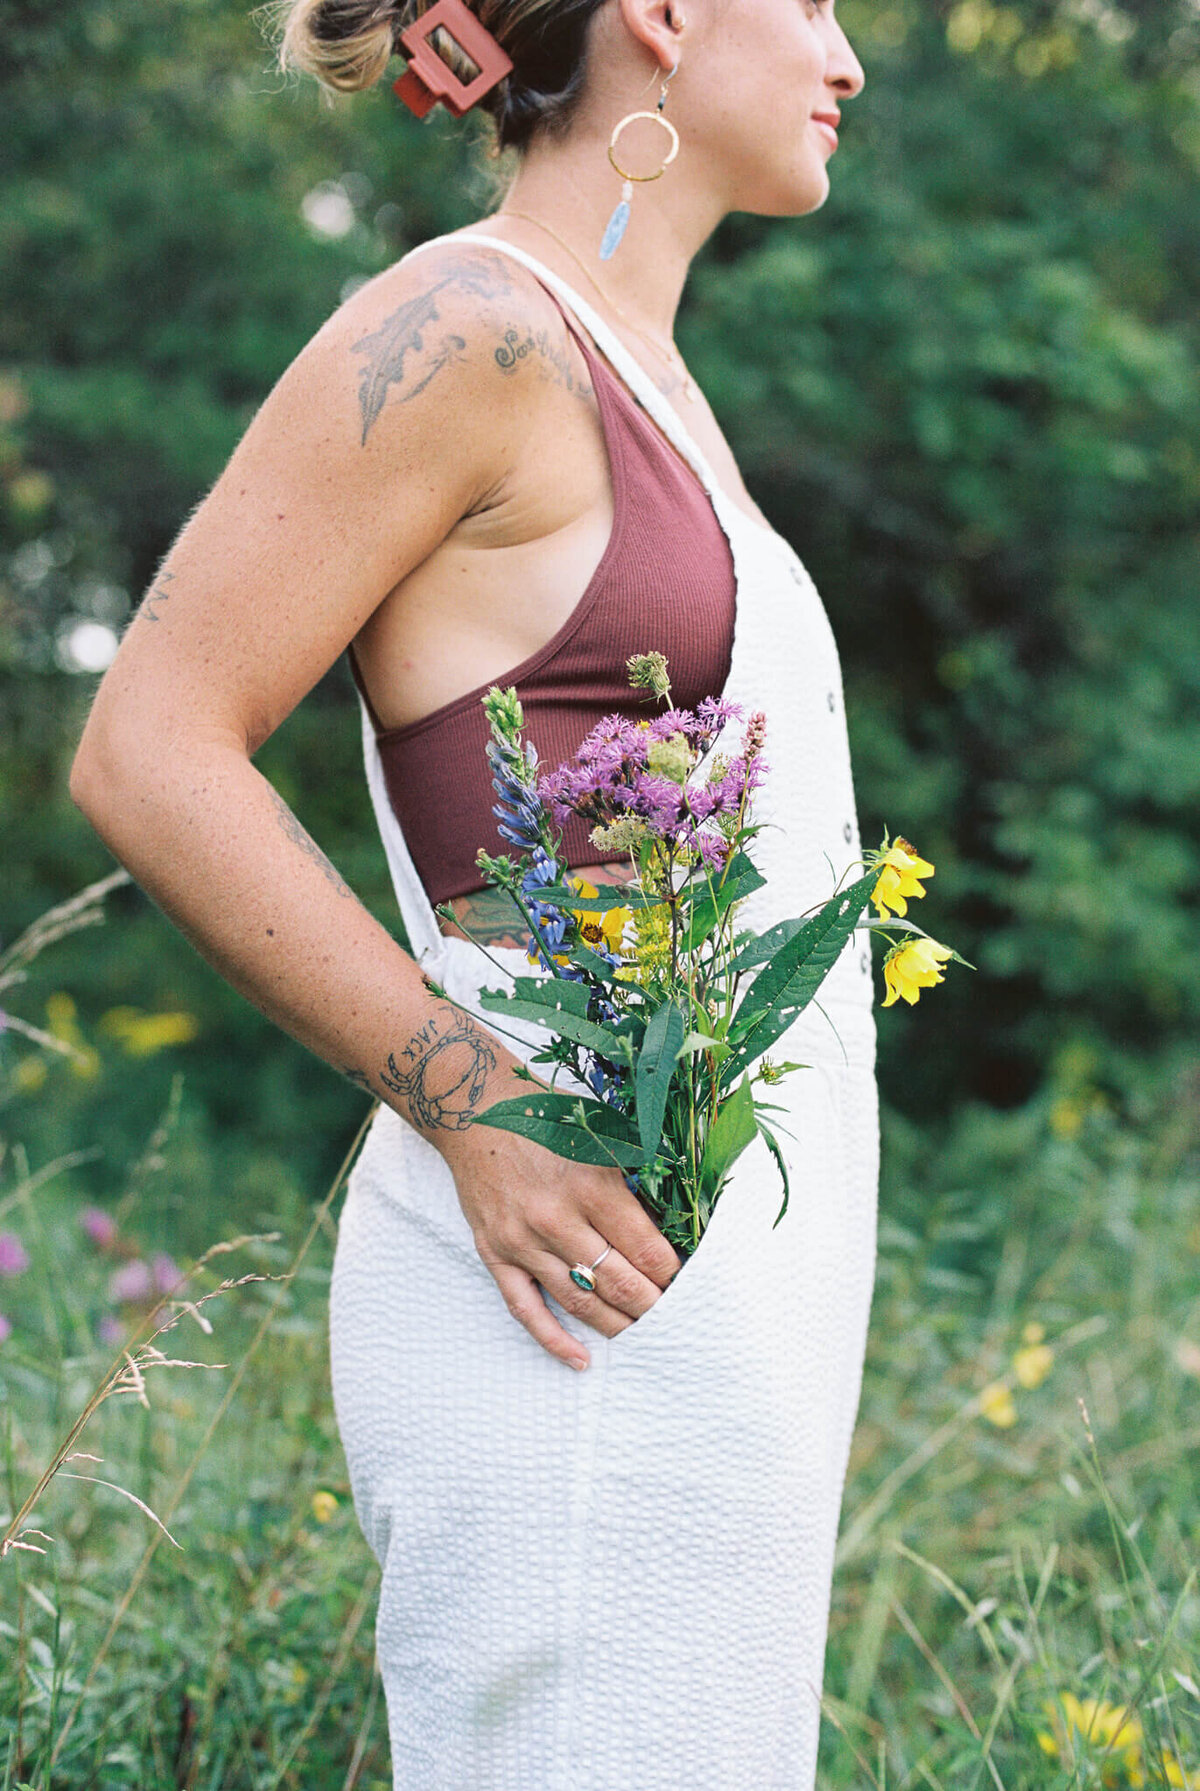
(966, 390)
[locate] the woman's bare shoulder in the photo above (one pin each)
(459, 321)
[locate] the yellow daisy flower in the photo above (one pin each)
(900, 868)
(600, 928)
(913, 966)
(1099, 1724)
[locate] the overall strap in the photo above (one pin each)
(425, 937)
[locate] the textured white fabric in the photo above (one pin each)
(619, 1580)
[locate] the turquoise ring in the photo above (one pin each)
(582, 1275)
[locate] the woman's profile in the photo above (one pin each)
(491, 466)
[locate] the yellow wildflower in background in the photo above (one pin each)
(1100, 1725)
(996, 1404)
(62, 1023)
(1066, 1117)
(142, 1035)
(898, 878)
(1033, 1363)
(30, 1074)
(913, 966)
(324, 1506)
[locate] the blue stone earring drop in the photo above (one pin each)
(614, 230)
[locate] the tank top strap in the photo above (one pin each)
(629, 370)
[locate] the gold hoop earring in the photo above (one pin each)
(615, 228)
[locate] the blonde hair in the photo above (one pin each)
(347, 45)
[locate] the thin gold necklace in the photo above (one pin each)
(670, 354)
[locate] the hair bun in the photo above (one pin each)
(347, 45)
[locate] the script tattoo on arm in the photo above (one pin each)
(442, 1072)
(307, 844)
(408, 351)
(158, 595)
(553, 360)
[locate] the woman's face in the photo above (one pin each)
(749, 84)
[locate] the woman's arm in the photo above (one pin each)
(388, 430)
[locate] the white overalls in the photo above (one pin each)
(619, 1580)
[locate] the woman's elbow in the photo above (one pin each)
(91, 780)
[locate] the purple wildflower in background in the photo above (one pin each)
(14, 1259)
(100, 1227)
(110, 1329)
(5, 1328)
(131, 1283)
(167, 1273)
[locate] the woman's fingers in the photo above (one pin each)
(524, 1300)
(621, 1293)
(624, 1223)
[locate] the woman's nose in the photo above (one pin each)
(845, 71)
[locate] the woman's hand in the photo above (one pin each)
(534, 1214)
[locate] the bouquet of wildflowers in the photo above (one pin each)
(651, 996)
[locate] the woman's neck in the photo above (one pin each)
(571, 190)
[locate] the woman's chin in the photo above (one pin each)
(806, 191)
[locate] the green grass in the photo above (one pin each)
(996, 1552)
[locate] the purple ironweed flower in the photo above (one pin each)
(714, 712)
(99, 1226)
(111, 1329)
(14, 1259)
(5, 1328)
(131, 1283)
(713, 848)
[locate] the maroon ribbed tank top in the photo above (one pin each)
(665, 583)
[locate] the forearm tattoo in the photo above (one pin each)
(360, 1079)
(157, 596)
(442, 1072)
(412, 346)
(492, 917)
(307, 844)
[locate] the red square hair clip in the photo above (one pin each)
(427, 79)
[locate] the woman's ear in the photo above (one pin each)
(657, 24)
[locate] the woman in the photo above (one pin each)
(490, 465)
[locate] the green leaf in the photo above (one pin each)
(772, 1144)
(655, 1067)
(609, 895)
(765, 945)
(702, 1041)
(560, 1021)
(733, 1129)
(786, 985)
(559, 993)
(741, 878)
(581, 1130)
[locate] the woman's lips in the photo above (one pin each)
(828, 129)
